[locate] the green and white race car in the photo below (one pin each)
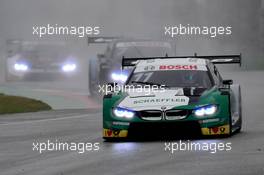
(167, 96)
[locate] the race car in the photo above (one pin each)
(106, 67)
(27, 60)
(173, 96)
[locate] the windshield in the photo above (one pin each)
(142, 49)
(177, 78)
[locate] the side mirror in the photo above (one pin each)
(215, 70)
(227, 82)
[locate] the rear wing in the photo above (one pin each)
(101, 40)
(215, 59)
(224, 59)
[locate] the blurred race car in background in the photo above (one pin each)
(38, 61)
(106, 67)
(190, 98)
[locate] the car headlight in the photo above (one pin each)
(123, 113)
(119, 77)
(21, 67)
(205, 110)
(69, 67)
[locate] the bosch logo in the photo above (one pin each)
(178, 67)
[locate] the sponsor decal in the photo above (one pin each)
(216, 130)
(210, 120)
(178, 67)
(115, 133)
(121, 123)
(137, 101)
(160, 100)
(149, 68)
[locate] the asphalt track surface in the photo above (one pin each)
(18, 132)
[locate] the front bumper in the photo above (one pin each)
(166, 129)
(217, 124)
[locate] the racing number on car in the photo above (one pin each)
(222, 130)
(140, 76)
(112, 133)
(116, 133)
(217, 130)
(108, 132)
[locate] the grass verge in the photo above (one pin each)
(15, 104)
